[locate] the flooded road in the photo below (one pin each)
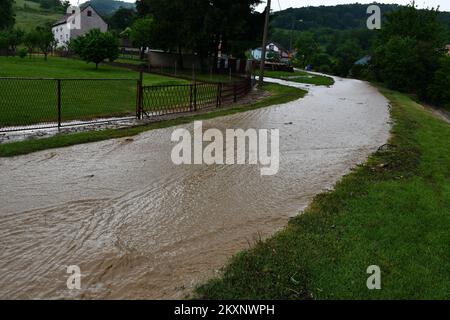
(140, 227)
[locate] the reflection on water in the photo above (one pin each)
(140, 227)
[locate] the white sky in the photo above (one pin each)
(284, 4)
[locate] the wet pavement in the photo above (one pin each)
(140, 227)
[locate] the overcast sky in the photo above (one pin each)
(284, 4)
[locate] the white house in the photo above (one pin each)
(76, 23)
(271, 47)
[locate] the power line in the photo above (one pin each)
(279, 5)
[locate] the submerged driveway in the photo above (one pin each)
(140, 227)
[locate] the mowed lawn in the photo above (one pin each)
(29, 101)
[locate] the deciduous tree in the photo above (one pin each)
(96, 46)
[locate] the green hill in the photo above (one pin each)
(330, 24)
(108, 7)
(30, 14)
(340, 17)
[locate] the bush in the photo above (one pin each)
(439, 89)
(22, 53)
(325, 69)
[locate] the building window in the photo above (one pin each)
(89, 13)
(73, 11)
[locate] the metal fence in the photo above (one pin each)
(31, 103)
(168, 99)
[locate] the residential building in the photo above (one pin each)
(77, 23)
(272, 47)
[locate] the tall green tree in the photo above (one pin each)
(10, 39)
(439, 88)
(408, 48)
(346, 55)
(45, 40)
(141, 34)
(307, 47)
(7, 18)
(96, 46)
(200, 26)
(31, 41)
(122, 19)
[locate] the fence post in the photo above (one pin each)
(234, 92)
(140, 96)
(59, 103)
(219, 95)
(191, 97)
(195, 96)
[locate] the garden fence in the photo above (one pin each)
(38, 103)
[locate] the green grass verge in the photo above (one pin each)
(301, 77)
(393, 212)
(279, 94)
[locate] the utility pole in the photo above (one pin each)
(264, 45)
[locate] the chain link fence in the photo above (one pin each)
(32, 103)
(38, 103)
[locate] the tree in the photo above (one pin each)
(307, 47)
(141, 34)
(122, 19)
(6, 14)
(10, 39)
(408, 49)
(200, 26)
(45, 40)
(30, 40)
(96, 46)
(346, 55)
(439, 89)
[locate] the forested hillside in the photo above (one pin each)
(341, 17)
(108, 7)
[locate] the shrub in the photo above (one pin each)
(22, 53)
(439, 89)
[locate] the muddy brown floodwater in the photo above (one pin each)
(140, 227)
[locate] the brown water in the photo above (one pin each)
(140, 227)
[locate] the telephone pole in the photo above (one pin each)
(264, 45)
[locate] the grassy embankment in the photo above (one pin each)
(393, 212)
(30, 14)
(279, 94)
(300, 77)
(33, 101)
